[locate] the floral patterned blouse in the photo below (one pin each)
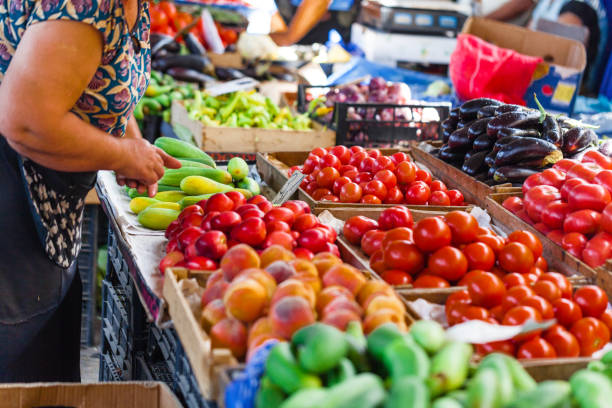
(123, 75)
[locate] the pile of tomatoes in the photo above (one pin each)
(571, 204)
(204, 232)
(583, 320)
(356, 175)
(438, 252)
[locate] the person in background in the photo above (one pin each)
(71, 73)
(510, 11)
(311, 20)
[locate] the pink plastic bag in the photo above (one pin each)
(481, 69)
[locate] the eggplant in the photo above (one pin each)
(469, 110)
(450, 156)
(490, 159)
(449, 124)
(459, 140)
(577, 139)
(528, 148)
(508, 131)
(475, 163)
(194, 45)
(228, 74)
(483, 142)
(479, 127)
(580, 154)
(189, 75)
(606, 148)
(454, 114)
(462, 124)
(486, 112)
(482, 177)
(531, 121)
(163, 42)
(504, 141)
(552, 131)
(198, 63)
(446, 135)
(468, 155)
(512, 174)
(504, 120)
(491, 172)
(508, 108)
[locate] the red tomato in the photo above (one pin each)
(387, 178)
(350, 193)
(376, 188)
(516, 257)
(531, 182)
(347, 167)
(372, 241)
(439, 198)
(319, 193)
(462, 313)
(395, 217)
(431, 234)
(522, 214)
(513, 204)
(567, 312)
(541, 228)
(606, 317)
(554, 214)
(159, 19)
(588, 197)
(168, 8)
(467, 278)
(363, 178)
(377, 263)
(547, 289)
(438, 185)
(574, 243)
(430, 281)
(418, 193)
(593, 156)
(357, 158)
(394, 196)
(514, 295)
(397, 234)
(455, 197)
(560, 281)
(552, 177)
(592, 335)
(540, 304)
(564, 165)
(538, 198)
(569, 185)
(536, 348)
(486, 290)
(448, 262)
(479, 256)
(370, 199)
(604, 179)
(514, 279)
(396, 277)
(464, 226)
(375, 153)
(355, 149)
(582, 221)
(424, 176)
(384, 163)
(367, 165)
(585, 171)
(405, 172)
(564, 342)
(494, 242)
(591, 299)
(403, 255)
(319, 152)
(355, 227)
(541, 264)
(338, 183)
(520, 314)
(326, 177)
(505, 347)
(606, 219)
(311, 163)
(598, 249)
(459, 297)
(556, 236)
(342, 153)
(399, 157)
(529, 240)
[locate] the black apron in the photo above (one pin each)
(39, 300)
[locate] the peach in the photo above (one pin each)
(323, 261)
(259, 327)
(345, 275)
(213, 313)
(302, 266)
(294, 287)
(384, 302)
(313, 281)
(264, 278)
(342, 303)
(229, 333)
(215, 277)
(383, 316)
(280, 271)
(371, 287)
(215, 291)
(330, 293)
(290, 314)
(258, 341)
(245, 300)
(340, 318)
(237, 259)
(275, 253)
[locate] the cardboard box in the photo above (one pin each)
(556, 81)
(99, 395)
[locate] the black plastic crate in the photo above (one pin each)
(88, 265)
(110, 370)
(378, 124)
(116, 329)
(147, 371)
(162, 347)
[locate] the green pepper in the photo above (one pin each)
(153, 90)
(156, 76)
(272, 107)
(151, 106)
(166, 115)
(228, 109)
(212, 102)
(244, 120)
(164, 100)
(176, 96)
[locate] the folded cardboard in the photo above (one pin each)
(556, 81)
(98, 395)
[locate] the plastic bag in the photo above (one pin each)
(480, 69)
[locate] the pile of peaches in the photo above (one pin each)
(253, 298)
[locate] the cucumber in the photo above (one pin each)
(408, 392)
(284, 371)
(190, 200)
(591, 389)
(306, 398)
(483, 389)
(547, 394)
(173, 177)
(139, 204)
(446, 402)
(268, 395)
(198, 185)
(343, 371)
(362, 391)
(449, 368)
(428, 334)
(179, 149)
(505, 386)
(380, 339)
(520, 377)
(404, 358)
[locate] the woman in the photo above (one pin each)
(71, 72)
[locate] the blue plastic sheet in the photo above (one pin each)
(241, 392)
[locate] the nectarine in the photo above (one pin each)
(237, 259)
(245, 300)
(229, 333)
(290, 314)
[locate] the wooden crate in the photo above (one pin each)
(250, 140)
(273, 167)
(558, 258)
(474, 191)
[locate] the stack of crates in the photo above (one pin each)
(88, 265)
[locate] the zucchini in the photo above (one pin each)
(475, 163)
(179, 149)
(459, 140)
(482, 143)
(191, 163)
(528, 148)
(173, 177)
(512, 174)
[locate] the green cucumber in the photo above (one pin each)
(483, 389)
(284, 371)
(173, 177)
(446, 402)
(547, 394)
(179, 149)
(498, 363)
(408, 392)
(362, 391)
(381, 337)
(449, 368)
(591, 389)
(404, 358)
(306, 398)
(428, 334)
(268, 395)
(320, 347)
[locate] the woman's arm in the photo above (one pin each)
(52, 66)
(306, 17)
